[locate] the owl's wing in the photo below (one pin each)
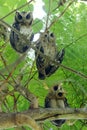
(53, 67)
(66, 103)
(60, 56)
(50, 69)
(40, 61)
(47, 102)
(40, 48)
(14, 37)
(31, 37)
(58, 123)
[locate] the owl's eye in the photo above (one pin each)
(19, 17)
(52, 35)
(60, 94)
(45, 35)
(55, 88)
(28, 16)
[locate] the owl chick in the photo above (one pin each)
(56, 99)
(47, 46)
(23, 23)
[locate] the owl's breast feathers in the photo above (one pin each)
(26, 31)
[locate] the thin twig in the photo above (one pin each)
(74, 71)
(61, 14)
(48, 13)
(16, 9)
(5, 64)
(80, 37)
(13, 67)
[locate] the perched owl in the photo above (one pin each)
(23, 23)
(44, 63)
(56, 99)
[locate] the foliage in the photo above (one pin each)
(71, 32)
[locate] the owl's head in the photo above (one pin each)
(58, 91)
(24, 18)
(47, 37)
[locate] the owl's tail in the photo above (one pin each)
(58, 123)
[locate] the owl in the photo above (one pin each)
(56, 99)
(47, 53)
(23, 24)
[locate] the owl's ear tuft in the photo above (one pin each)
(28, 16)
(18, 16)
(17, 12)
(30, 13)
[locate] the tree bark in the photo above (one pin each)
(32, 117)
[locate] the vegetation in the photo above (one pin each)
(18, 73)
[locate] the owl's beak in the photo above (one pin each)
(61, 94)
(48, 39)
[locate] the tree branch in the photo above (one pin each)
(30, 117)
(16, 9)
(61, 14)
(16, 120)
(51, 113)
(33, 47)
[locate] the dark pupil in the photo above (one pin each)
(45, 35)
(19, 17)
(55, 88)
(28, 16)
(60, 94)
(51, 35)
